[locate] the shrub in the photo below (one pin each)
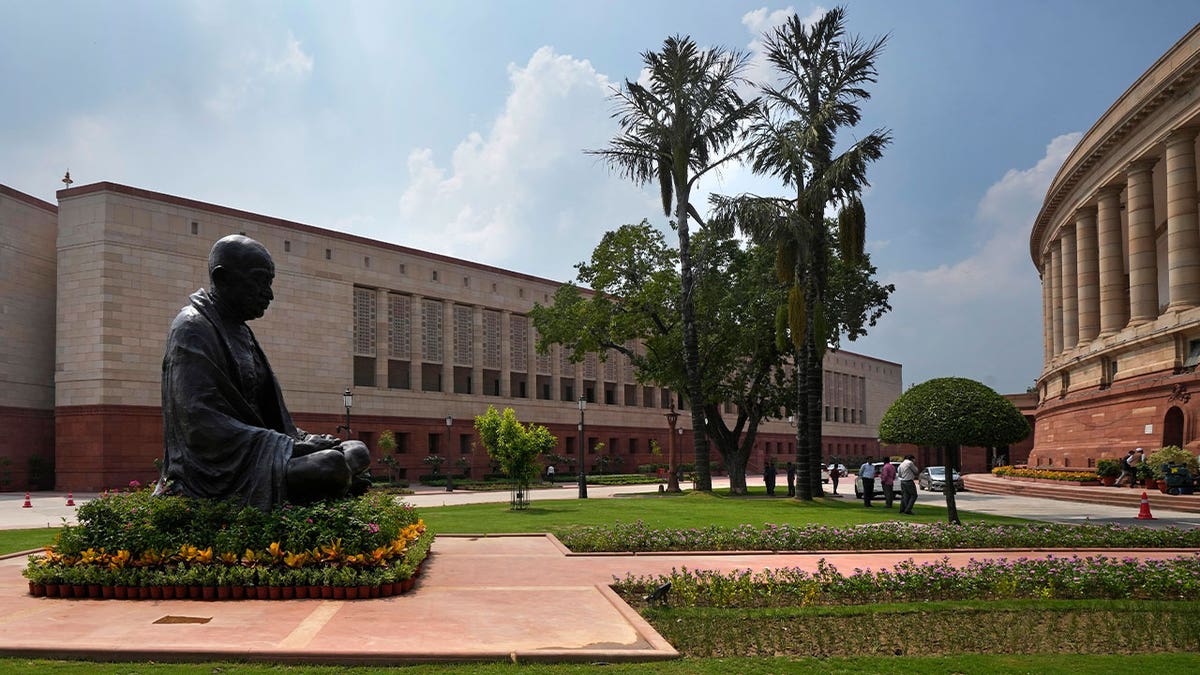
(1171, 454)
(1108, 468)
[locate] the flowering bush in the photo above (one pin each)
(131, 538)
(1097, 577)
(639, 537)
(1021, 472)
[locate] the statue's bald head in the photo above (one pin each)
(238, 252)
(240, 271)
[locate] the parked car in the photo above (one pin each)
(858, 486)
(825, 472)
(934, 478)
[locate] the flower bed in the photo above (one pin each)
(1097, 577)
(133, 545)
(1047, 475)
(639, 537)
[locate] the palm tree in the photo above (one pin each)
(822, 74)
(687, 120)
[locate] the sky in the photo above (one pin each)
(459, 127)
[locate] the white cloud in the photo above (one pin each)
(525, 184)
(761, 21)
(249, 74)
(979, 317)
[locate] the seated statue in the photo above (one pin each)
(226, 430)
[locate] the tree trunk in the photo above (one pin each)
(816, 378)
(691, 348)
(804, 462)
(948, 490)
(732, 445)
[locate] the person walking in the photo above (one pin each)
(908, 484)
(887, 476)
(1136, 458)
(769, 477)
(1126, 469)
(791, 478)
(834, 474)
(867, 473)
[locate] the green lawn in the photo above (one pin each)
(675, 511)
(971, 664)
(12, 541)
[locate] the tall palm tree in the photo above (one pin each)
(687, 120)
(821, 78)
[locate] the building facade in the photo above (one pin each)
(425, 343)
(1117, 246)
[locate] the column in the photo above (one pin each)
(477, 360)
(1056, 304)
(1047, 311)
(1087, 274)
(1143, 258)
(1183, 231)
(1070, 303)
(448, 342)
(1114, 289)
(416, 314)
(383, 342)
(506, 354)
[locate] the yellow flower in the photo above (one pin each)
(276, 550)
(228, 557)
(119, 559)
(295, 559)
(332, 552)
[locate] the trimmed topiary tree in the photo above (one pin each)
(950, 412)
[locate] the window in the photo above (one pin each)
(401, 442)
(367, 261)
(520, 292)
(493, 288)
(1193, 356)
(364, 337)
(434, 275)
(466, 282)
(435, 441)
(195, 227)
(403, 270)
(329, 254)
(287, 246)
(464, 444)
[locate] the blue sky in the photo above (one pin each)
(458, 127)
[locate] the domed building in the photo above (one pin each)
(1117, 246)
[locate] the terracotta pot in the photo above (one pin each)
(1107, 480)
(327, 592)
(208, 592)
(237, 592)
(143, 592)
(261, 592)
(287, 592)
(339, 592)
(106, 592)
(181, 592)
(274, 592)
(301, 592)
(120, 592)
(37, 590)
(93, 591)
(52, 591)
(387, 589)
(223, 592)
(195, 592)
(409, 583)
(314, 592)
(372, 591)
(352, 592)
(168, 592)
(156, 592)
(1162, 485)
(78, 591)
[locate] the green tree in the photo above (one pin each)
(822, 75)
(685, 122)
(514, 446)
(633, 273)
(950, 412)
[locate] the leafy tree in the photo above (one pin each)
(514, 446)
(821, 77)
(683, 123)
(633, 273)
(950, 412)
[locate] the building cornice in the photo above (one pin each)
(28, 199)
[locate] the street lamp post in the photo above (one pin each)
(672, 478)
(348, 400)
(582, 471)
(449, 478)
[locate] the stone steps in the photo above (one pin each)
(1097, 494)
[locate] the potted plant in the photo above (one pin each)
(1108, 470)
(1145, 475)
(1170, 454)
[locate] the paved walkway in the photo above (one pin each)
(522, 598)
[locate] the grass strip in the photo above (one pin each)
(12, 541)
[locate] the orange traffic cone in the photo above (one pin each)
(27, 505)
(70, 499)
(1144, 513)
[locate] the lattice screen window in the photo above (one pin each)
(543, 360)
(491, 339)
(518, 343)
(564, 363)
(611, 369)
(399, 326)
(431, 331)
(590, 366)
(629, 370)
(364, 321)
(464, 336)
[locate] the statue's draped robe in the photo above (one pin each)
(226, 431)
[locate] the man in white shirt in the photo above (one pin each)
(908, 484)
(867, 473)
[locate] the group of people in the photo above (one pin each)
(906, 472)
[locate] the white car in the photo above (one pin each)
(878, 492)
(825, 472)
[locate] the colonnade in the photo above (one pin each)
(1095, 283)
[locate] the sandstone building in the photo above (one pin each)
(1117, 246)
(424, 341)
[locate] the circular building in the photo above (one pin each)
(1117, 246)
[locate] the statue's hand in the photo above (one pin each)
(314, 442)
